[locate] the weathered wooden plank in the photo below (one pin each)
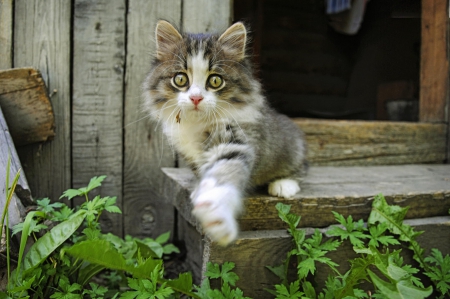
(347, 190)
(253, 251)
(8, 151)
(97, 106)
(6, 33)
(340, 143)
(206, 16)
(26, 106)
(42, 39)
(146, 212)
(194, 243)
(434, 61)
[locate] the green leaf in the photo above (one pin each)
(440, 273)
(183, 282)
(352, 278)
(63, 214)
(402, 289)
(354, 231)
(376, 236)
(170, 248)
(45, 206)
(113, 209)
(87, 272)
(282, 292)
(146, 251)
(393, 217)
(49, 242)
(99, 252)
(94, 183)
(163, 238)
(213, 271)
(71, 193)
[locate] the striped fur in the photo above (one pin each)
(231, 138)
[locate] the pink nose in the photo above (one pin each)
(196, 99)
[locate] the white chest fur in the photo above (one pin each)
(187, 138)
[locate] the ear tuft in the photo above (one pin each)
(234, 40)
(166, 38)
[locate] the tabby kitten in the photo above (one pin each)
(202, 90)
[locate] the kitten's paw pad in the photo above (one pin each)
(286, 188)
(215, 208)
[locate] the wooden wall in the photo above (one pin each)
(94, 56)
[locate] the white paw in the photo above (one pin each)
(286, 188)
(216, 207)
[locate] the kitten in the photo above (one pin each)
(202, 89)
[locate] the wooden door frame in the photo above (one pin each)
(434, 67)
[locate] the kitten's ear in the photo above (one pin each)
(234, 40)
(167, 38)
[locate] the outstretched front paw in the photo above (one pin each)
(216, 207)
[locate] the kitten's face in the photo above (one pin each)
(200, 77)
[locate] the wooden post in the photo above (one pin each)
(97, 105)
(146, 212)
(434, 69)
(42, 39)
(6, 27)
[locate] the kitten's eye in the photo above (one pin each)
(180, 80)
(215, 81)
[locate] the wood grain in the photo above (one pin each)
(6, 33)
(206, 16)
(344, 143)
(347, 190)
(145, 150)
(26, 106)
(434, 61)
(97, 105)
(42, 39)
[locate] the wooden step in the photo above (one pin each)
(263, 240)
(347, 190)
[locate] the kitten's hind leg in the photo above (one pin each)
(286, 188)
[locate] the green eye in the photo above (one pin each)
(180, 80)
(215, 81)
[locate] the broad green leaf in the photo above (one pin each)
(402, 289)
(49, 242)
(99, 252)
(183, 282)
(146, 251)
(87, 272)
(163, 238)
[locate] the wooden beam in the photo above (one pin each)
(434, 69)
(97, 105)
(6, 33)
(146, 212)
(345, 143)
(26, 106)
(347, 190)
(42, 38)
